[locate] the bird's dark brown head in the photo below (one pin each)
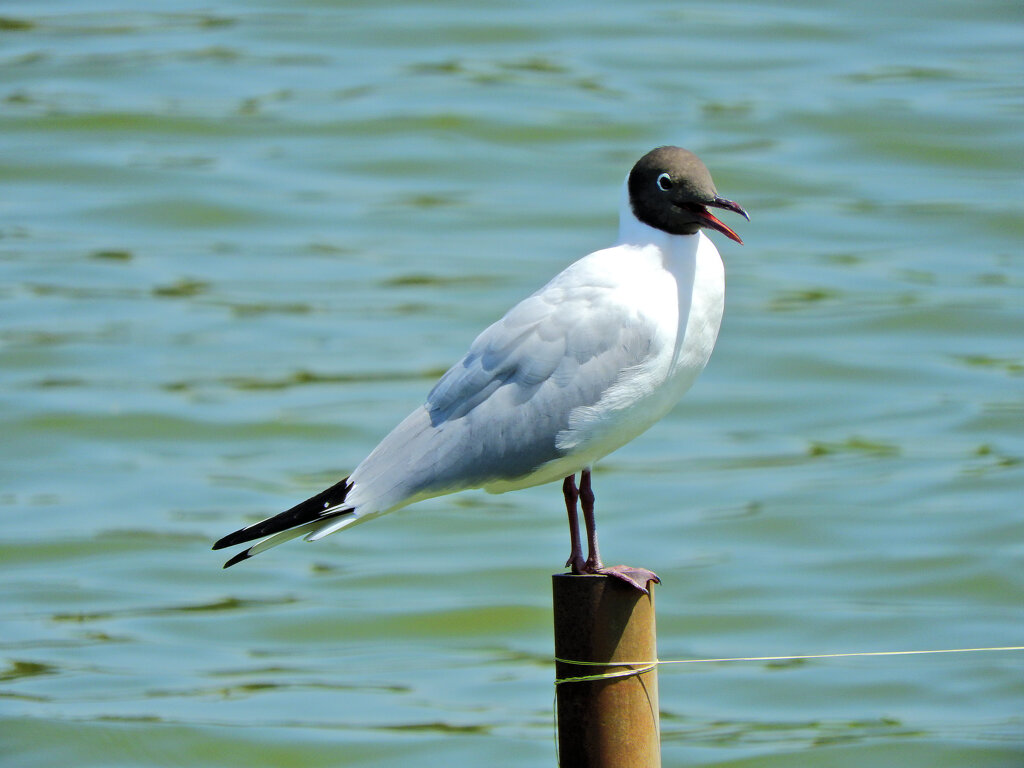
(671, 189)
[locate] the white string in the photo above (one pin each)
(640, 667)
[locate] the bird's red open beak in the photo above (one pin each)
(709, 220)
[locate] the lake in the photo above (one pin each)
(240, 240)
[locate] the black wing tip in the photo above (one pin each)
(303, 512)
(243, 555)
(236, 537)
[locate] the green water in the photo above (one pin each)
(239, 240)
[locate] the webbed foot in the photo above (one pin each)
(636, 577)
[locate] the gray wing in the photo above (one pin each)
(496, 414)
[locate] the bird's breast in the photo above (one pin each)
(700, 292)
(680, 298)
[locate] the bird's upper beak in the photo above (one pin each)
(709, 220)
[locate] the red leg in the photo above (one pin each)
(576, 553)
(636, 577)
(587, 502)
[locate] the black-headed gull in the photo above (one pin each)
(568, 375)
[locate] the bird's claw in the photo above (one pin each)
(635, 577)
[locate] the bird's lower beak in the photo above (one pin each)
(709, 220)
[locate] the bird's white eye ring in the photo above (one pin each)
(664, 182)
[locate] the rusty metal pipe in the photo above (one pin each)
(611, 723)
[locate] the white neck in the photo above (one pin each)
(632, 231)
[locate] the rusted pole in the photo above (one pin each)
(610, 723)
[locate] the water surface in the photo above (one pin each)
(239, 241)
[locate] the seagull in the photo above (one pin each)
(568, 375)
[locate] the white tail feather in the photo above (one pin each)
(330, 526)
(282, 537)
